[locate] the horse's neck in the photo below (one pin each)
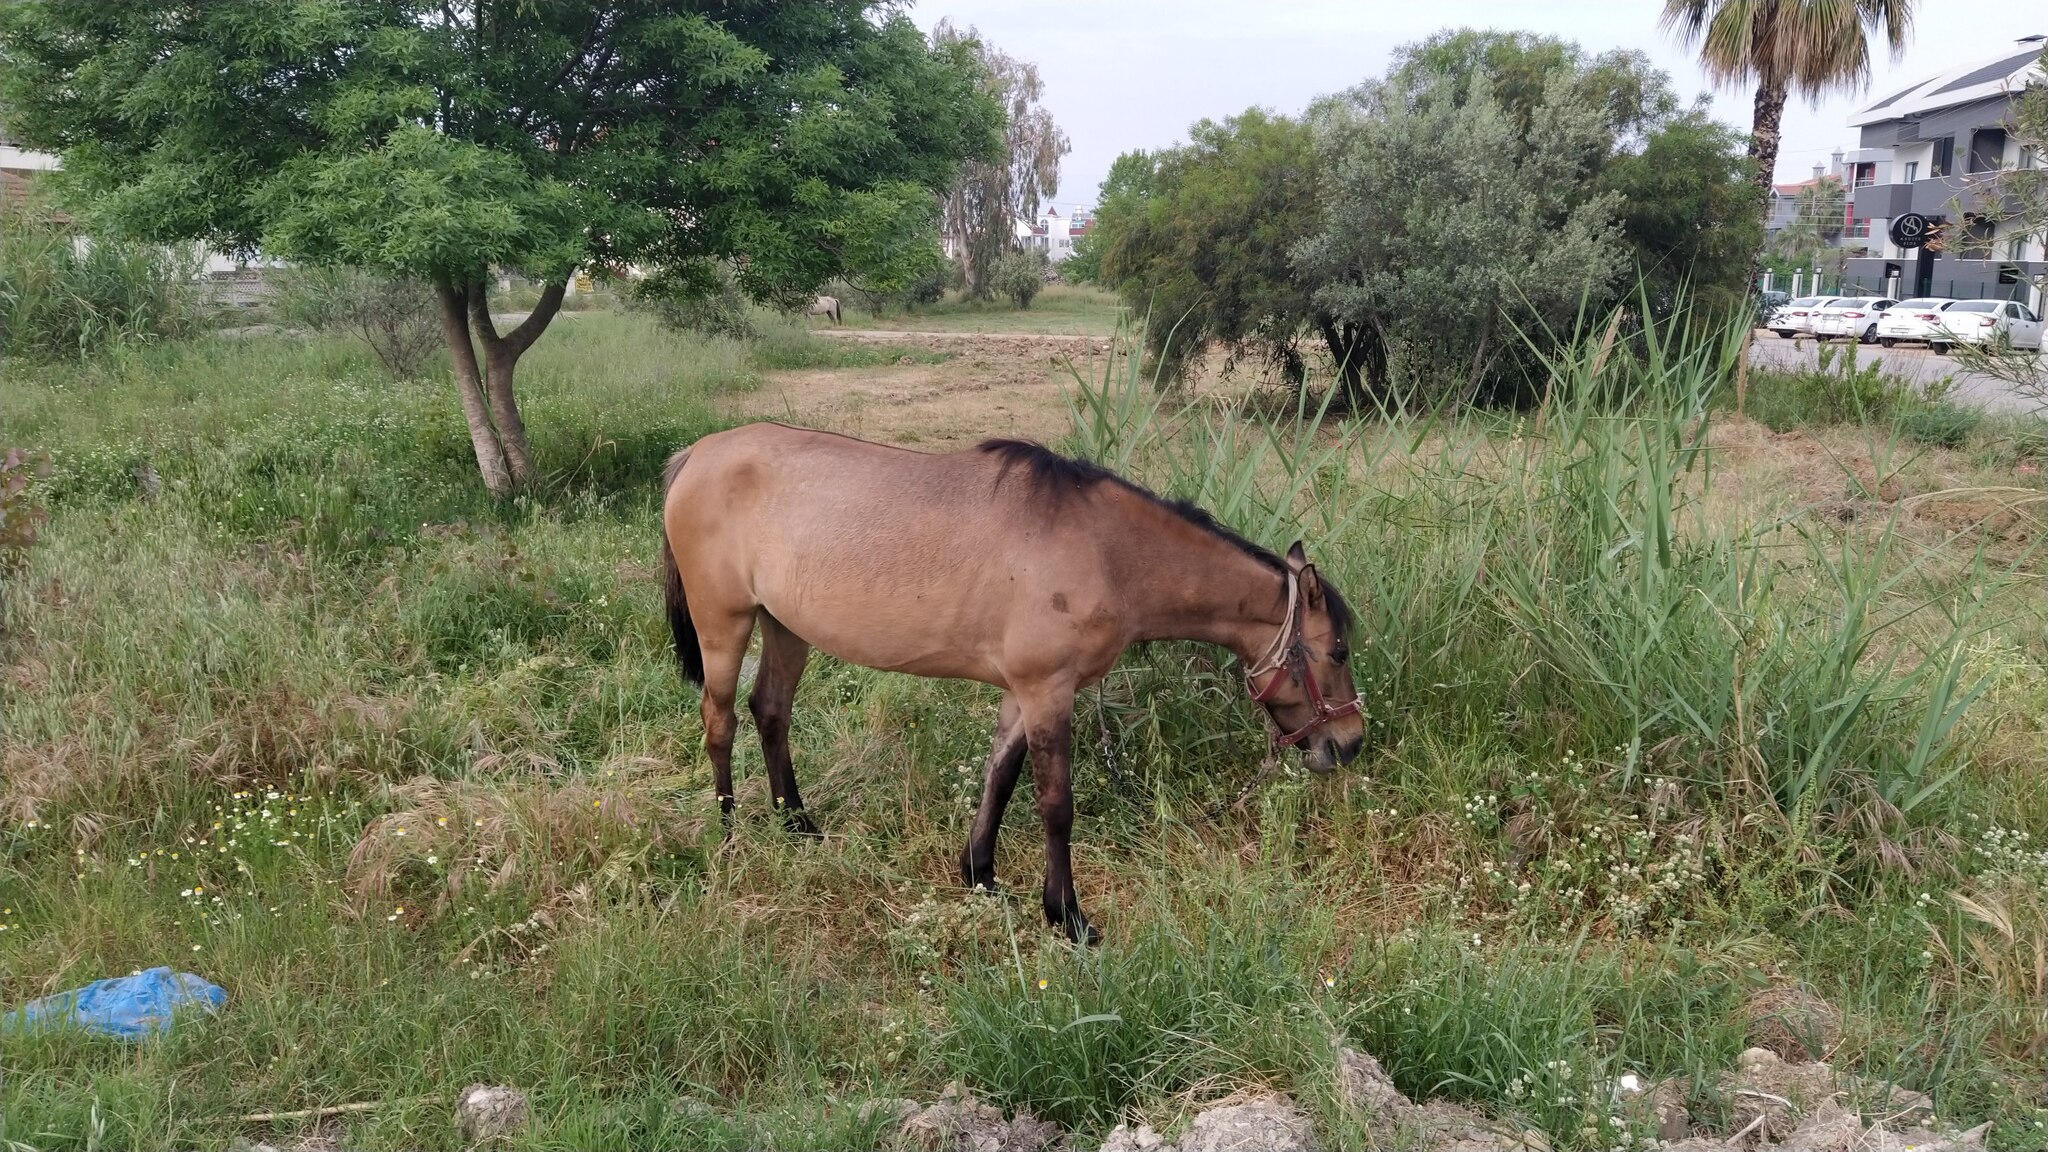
(1205, 588)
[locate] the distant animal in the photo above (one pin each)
(1004, 563)
(825, 306)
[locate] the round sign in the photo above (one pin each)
(1910, 230)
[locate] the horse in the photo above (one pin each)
(825, 306)
(1004, 563)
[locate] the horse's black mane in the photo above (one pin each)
(1054, 478)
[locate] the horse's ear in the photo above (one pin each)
(1297, 558)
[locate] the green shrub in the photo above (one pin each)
(1941, 425)
(1019, 275)
(62, 297)
(399, 319)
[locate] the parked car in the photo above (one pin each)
(1767, 305)
(1983, 321)
(1850, 316)
(1911, 321)
(1796, 316)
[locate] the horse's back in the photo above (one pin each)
(882, 556)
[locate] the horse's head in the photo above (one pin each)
(1305, 679)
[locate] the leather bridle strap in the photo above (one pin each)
(1288, 655)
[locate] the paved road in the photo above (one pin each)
(1912, 361)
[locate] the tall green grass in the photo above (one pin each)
(64, 296)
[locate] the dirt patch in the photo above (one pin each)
(987, 386)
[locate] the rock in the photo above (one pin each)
(1273, 1125)
(1123, 1139)
(1767, 1088)
(692, 1107)
(1922, 1140)
(1793, 1023)
(894, 1113)
(1830, 1128)
(958, 1122)
(1366, 1089)
(486, 1114)
(1659, 1106)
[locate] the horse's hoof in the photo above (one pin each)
(1083, 932)
(799, 823)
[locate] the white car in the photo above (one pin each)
(1982, 321)
(1850, 316)
(1911, 321)
(1796, 316)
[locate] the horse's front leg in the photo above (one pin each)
(1050, 731)
(998, 780)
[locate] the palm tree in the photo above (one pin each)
(1811, 46)
(1782, 46)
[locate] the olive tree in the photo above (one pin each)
(442, 139)
(1449, 230)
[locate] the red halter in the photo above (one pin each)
(1289, 656)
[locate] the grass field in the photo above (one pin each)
(1660, 721)
(1062, 309)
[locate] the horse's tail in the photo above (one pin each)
(689, 655)
(835, 310)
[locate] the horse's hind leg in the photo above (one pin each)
(998, 780)
(724, 644)
(783, 655)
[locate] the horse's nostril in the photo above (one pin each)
(1349, 749)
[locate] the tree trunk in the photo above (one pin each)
(489, 402)
(1361, 358)
(483, 436)
(1765, 118)
(501, 356)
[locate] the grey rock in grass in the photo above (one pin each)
(485, 1114)
(1366, 1089)
(1274, 1125)
(1124, 1138)
(958, 1122)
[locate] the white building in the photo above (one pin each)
(1052, 233)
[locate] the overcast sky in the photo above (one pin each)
(1124, 74)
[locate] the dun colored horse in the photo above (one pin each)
(1007, 564)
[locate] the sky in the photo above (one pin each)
(1124, 74)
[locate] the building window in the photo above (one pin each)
(2027, 158)
(1944, 161)
(1912, 171)
(1866, 175)
(1987, 150)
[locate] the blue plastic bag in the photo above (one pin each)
(126, 1006)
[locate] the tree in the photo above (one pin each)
(1449, 229)
(440, 140)
(1198, 238)
(1020, 274)
(990, 195)
(1685, 213)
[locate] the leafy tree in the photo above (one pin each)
(1449, 229)
(1685, 212)
(1198, 237)
(1019, 275)
(438, 140)
(989, 197)
(1122, 193)
(1631, 97)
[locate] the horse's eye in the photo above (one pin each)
(1340, 653)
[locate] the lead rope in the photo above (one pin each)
(1270, 766)
(1108, 745)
